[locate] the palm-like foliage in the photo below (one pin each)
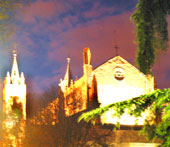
(157, 103)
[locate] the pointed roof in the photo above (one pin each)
(119, 60)
(68, 76)
(15, 71)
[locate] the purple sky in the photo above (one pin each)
(51, 30)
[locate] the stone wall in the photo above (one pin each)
(117, 80)
(125, 138)
(76, 97)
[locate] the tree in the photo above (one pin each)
(37, 101)
(152, 33)
(8, 9)
(52, 128)
(152, 38)
(156, 127)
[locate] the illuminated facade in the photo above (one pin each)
(14, 104)
(113, 81)
(14, 91)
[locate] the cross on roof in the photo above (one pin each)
(15, 47)
(14, 51)
(116, 49)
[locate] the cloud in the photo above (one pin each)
(99, 35)
(40, 83)
(38, 9)
(97, 11)
(53, 30)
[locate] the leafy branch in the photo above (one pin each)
(158, 103)
(152, 31)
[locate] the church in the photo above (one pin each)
(14, 91)
(113, 81)
(14, 100)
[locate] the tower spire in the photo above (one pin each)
(68, 76)
(15, 71)
(14, 90)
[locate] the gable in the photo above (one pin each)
(118, 80)
(117, 62)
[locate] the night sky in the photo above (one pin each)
(49, 31)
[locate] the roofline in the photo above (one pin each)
(123, 60)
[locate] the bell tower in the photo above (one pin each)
(14, 90)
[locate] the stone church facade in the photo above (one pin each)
(14, 104)
(14, 90)
(113, 81)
